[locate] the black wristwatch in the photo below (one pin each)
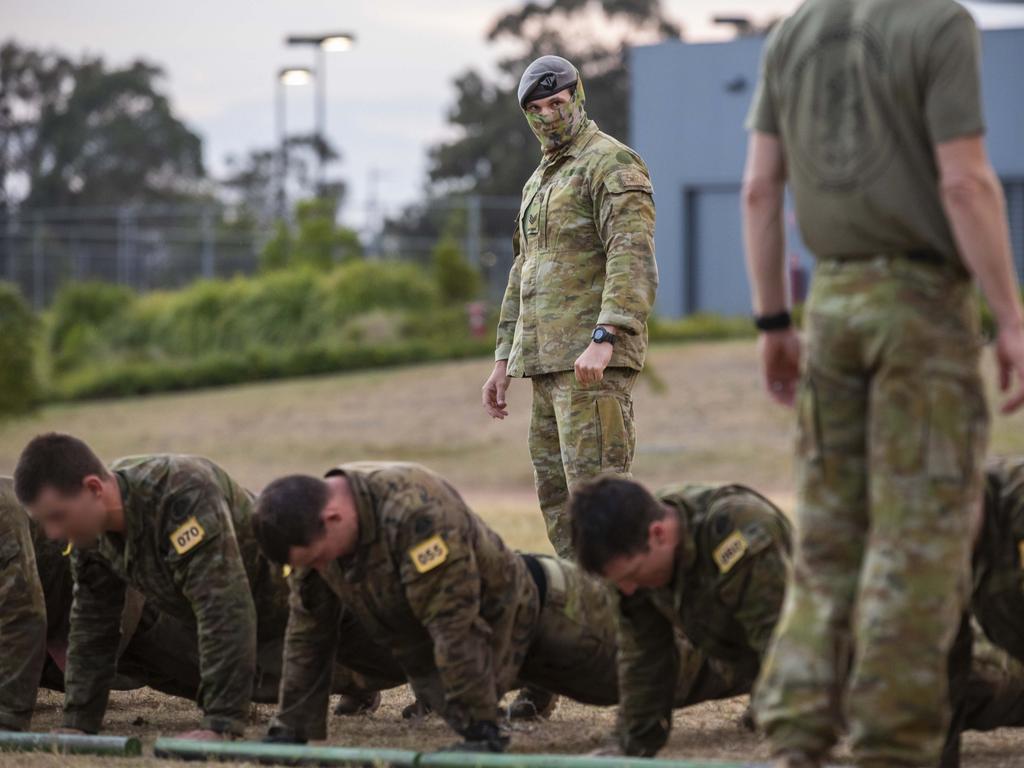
(601, 336)
(780, 321)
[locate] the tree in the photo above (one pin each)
(80, 132)
(495, 151)
(317, 240)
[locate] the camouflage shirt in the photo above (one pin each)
(725, 596)
(188, 547)
(583, 256)
(429, 581)
(22, 615)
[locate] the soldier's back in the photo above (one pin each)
(850, 88)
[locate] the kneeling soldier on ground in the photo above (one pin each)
(178, 530)
(709, 561)
(466, 618)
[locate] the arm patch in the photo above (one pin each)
(429, 554)
(730, 551)
(187, 536)
(627, 180)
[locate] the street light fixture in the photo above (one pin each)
(331, 42)
(286, 77)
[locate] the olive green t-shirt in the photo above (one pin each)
(860, 92)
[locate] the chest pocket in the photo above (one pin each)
(535, 220)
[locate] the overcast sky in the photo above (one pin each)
(387, 97)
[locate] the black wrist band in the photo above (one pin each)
(780, 321)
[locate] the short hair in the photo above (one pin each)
(57, 461)
(288, 515)
(610, 516)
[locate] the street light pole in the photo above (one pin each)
(285, 77)
(325, 43)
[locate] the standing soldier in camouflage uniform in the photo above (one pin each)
(177, 529)
(707, 560)
(871, 111)
(465, 617)
(22, 616)
(574, 316)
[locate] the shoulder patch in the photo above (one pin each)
(67, 550)
(628, 179)
(187, 536)
(730, 551)
(1020, 553)
(429, 554)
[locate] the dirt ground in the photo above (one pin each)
(708, 421)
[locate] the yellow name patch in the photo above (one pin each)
(429, 554)
(187, 536)
(67, 549)
(730, 551)
(1020, 550)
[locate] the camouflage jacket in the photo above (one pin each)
(999, 551)
(429, 581)
(188, 547)
(22, 614)
(725, 596)
(583, 251)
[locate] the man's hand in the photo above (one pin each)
(591, 364)
(1010, 356)
(201, 734)
(494, 391)
(780, 364)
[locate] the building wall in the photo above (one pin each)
(687, 110)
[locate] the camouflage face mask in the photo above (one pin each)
(557, 130)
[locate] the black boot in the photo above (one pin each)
(362, 703)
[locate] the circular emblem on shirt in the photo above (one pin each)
(838, 118)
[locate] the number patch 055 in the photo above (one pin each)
(429, 554)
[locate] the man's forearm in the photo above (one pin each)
(764, 241)
(976, 209)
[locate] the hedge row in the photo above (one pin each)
(226, 368)
(106, 341)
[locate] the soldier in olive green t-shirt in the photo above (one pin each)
(871, 111)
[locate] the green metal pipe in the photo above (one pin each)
(70, 744)
(293, 754)
(283, 754)
(489, 760)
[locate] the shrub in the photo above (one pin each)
(456, 278)
(19, 385)
(79, 313)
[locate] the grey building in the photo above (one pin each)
(688, 106)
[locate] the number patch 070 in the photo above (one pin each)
(429, 554)
(187, 536)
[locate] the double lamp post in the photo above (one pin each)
(295, 76)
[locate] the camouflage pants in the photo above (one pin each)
(22, 623)
(575, 647)
(163, 655)
(576, 432)
(892, 429)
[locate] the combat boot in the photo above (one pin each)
(362, 703)
(532, 703)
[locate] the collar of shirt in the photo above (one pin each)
(686, 553)
(366, 512)
(125, 549)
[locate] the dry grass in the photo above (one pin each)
(712, 422)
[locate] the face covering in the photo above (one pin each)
(556, 130)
